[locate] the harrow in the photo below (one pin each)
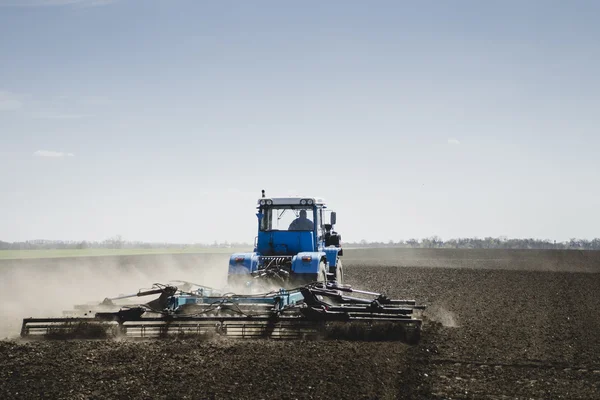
(314, 310)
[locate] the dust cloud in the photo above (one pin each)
(442, 315)
(46, 288)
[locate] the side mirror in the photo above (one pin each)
(333, 218)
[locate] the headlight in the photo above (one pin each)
(262, 202)
(310, 201)
(303, 201)
(269, 202)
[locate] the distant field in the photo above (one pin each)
(31, 254)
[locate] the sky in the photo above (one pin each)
(161, 120)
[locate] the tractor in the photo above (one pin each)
(295, 245)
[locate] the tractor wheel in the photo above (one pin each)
(339, 273)
(322, 277)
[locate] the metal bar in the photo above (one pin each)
(139, 294)
(349, 309)
(244, 330)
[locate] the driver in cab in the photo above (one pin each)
(301, 223)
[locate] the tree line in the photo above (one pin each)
(485, 243)
(117, 242)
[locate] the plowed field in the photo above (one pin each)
(500, 324)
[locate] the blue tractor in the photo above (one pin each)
(295, 245)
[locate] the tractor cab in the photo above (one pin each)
(295, 239)
(287, 226)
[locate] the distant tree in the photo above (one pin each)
(451, 243)
(412, 242)
(115, 242)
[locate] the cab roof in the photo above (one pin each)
(289, 201)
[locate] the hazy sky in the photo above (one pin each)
(161, 120)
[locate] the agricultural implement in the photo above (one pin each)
(291, 286)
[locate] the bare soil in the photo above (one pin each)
(494, 329)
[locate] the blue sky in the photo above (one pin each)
(162, 120)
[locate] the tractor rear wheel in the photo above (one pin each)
(322, 275)
(339, 272)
